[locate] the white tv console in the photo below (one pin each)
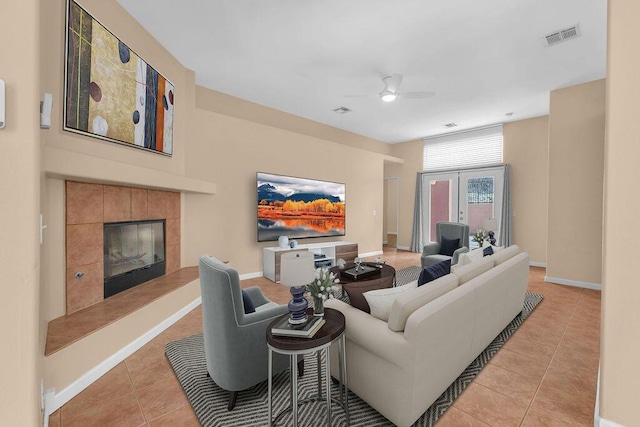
(328, 253)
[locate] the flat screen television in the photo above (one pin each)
(299, 207)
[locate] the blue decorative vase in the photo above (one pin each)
(298, 305)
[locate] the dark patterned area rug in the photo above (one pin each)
(210, 402)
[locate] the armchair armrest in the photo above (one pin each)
(256, 295)
(266, 315)
(457, 253)
(431, 249)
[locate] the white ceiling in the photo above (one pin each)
(482, 58)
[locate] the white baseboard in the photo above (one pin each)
(601, 422)
(576, 283)
(251, 275)
(403, 248)
(538, 264)
(53, 401)
(368, 254)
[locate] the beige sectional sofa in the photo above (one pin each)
(401, 366)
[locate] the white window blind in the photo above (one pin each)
(472, 148)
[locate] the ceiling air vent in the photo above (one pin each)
(342, 110)
(563, 35)
(450, 125)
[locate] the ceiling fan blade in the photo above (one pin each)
(416, 95)
(392, 83)
(358, 96)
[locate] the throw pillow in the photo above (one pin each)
(247, 303)
(487, 251)
(356, 291)
(469, 257)
(381, 300)
(448, 246)
(434, 271)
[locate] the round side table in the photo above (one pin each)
(332, 330)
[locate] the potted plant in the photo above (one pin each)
(320, 289)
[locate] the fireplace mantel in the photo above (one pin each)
(72, 166)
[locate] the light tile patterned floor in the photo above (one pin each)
(545, 375)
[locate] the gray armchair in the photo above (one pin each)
(235, 343)
(451, 230)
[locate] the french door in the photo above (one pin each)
(469, 196)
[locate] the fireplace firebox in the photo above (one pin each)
(134, 253)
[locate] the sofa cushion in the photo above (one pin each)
(432, 272)
(380, 300)
(448, 246)
(487, 251)
(355, 291)
(469, 257)
(408, 302)
(247, 303)
(505, 254)
(476, 268)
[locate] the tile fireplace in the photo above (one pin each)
(90, 210)
(134, 253)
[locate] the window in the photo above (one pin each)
(466, 149)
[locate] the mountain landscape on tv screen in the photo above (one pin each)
(268, 193)
(299, 207)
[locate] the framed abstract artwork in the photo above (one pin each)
(110, 92)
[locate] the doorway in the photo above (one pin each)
(391, 211)
(468, 196)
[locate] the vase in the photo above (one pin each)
(318, 306)
(283, 242)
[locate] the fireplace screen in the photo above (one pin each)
(132, 252)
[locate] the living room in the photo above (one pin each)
(220, 144)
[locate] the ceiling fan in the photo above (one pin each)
(391, 90)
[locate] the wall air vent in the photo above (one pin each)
(450, 125)
(342, 110)
(563, 35)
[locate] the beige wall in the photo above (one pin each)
(219, 146)
(391, 193)
(67, 155)
(411, 153)
(526, 148)
(576, 167)
(620, 330)
(230, 150)
(218, 149)
(20, 206)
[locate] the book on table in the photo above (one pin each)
(304, 330)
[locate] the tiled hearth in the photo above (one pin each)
(88, 207)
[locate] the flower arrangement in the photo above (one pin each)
(480, 236)
(322, 285)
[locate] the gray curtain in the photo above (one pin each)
(505, 238)
(416, 235)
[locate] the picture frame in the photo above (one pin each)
(110, 92)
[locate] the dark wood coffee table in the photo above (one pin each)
(355, 288)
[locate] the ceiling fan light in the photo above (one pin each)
(388, 96)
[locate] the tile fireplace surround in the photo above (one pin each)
(88, 207)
